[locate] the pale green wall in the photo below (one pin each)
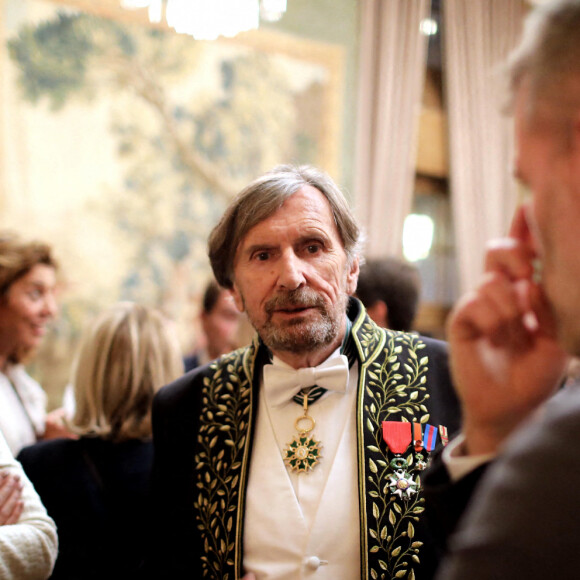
(336, 22)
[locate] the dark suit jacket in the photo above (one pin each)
(97, 493)
(446, 501)
(523, 519)
(190, 362)
(203, 427)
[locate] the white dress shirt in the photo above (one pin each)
(458, 464)
(304, 525)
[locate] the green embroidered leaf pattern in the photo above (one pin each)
(393, 397)
(223, 424)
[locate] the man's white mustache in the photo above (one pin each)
(300, 298)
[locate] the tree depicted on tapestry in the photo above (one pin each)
(185, 146)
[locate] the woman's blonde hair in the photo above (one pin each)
(125, 357)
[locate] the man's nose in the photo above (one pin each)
(291, 273)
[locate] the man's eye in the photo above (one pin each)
(313, 248)
(262, 256)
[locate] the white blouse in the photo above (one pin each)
(22, 408)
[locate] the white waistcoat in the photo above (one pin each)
(305, 525)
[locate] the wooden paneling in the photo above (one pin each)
(432, 147)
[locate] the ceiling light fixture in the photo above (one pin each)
(208, 20)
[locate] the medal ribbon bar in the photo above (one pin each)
(397, 435)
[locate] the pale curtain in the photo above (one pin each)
(478, 37)
(392, 71)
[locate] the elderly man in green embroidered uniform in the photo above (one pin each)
(301, 454)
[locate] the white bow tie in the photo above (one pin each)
(283, 383)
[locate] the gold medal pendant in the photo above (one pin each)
(302, 454)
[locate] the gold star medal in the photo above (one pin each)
(302, 454)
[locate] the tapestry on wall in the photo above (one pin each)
(124, 142)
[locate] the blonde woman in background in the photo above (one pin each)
(27, 306)
(96, 487)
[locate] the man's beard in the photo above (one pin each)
(299, 335)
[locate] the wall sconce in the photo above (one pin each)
(418, 233)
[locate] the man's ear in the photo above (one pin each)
(352, 276)
(237, 296)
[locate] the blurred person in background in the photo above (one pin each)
(27, 305)
(28, 540)
(389, 289)
(96, 487)
(220, 322)
(511, 337)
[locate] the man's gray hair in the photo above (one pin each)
(548, 57)
(262, 198)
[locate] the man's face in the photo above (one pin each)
(26, 309)
(548, 162)
(292, 278)
(221, 325)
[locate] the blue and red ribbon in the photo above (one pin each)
(430, 437)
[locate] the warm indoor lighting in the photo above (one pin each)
(417, 236)
(156, 10)
(272, 10)
(207, 20)
(134, 4)
(428, 26)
